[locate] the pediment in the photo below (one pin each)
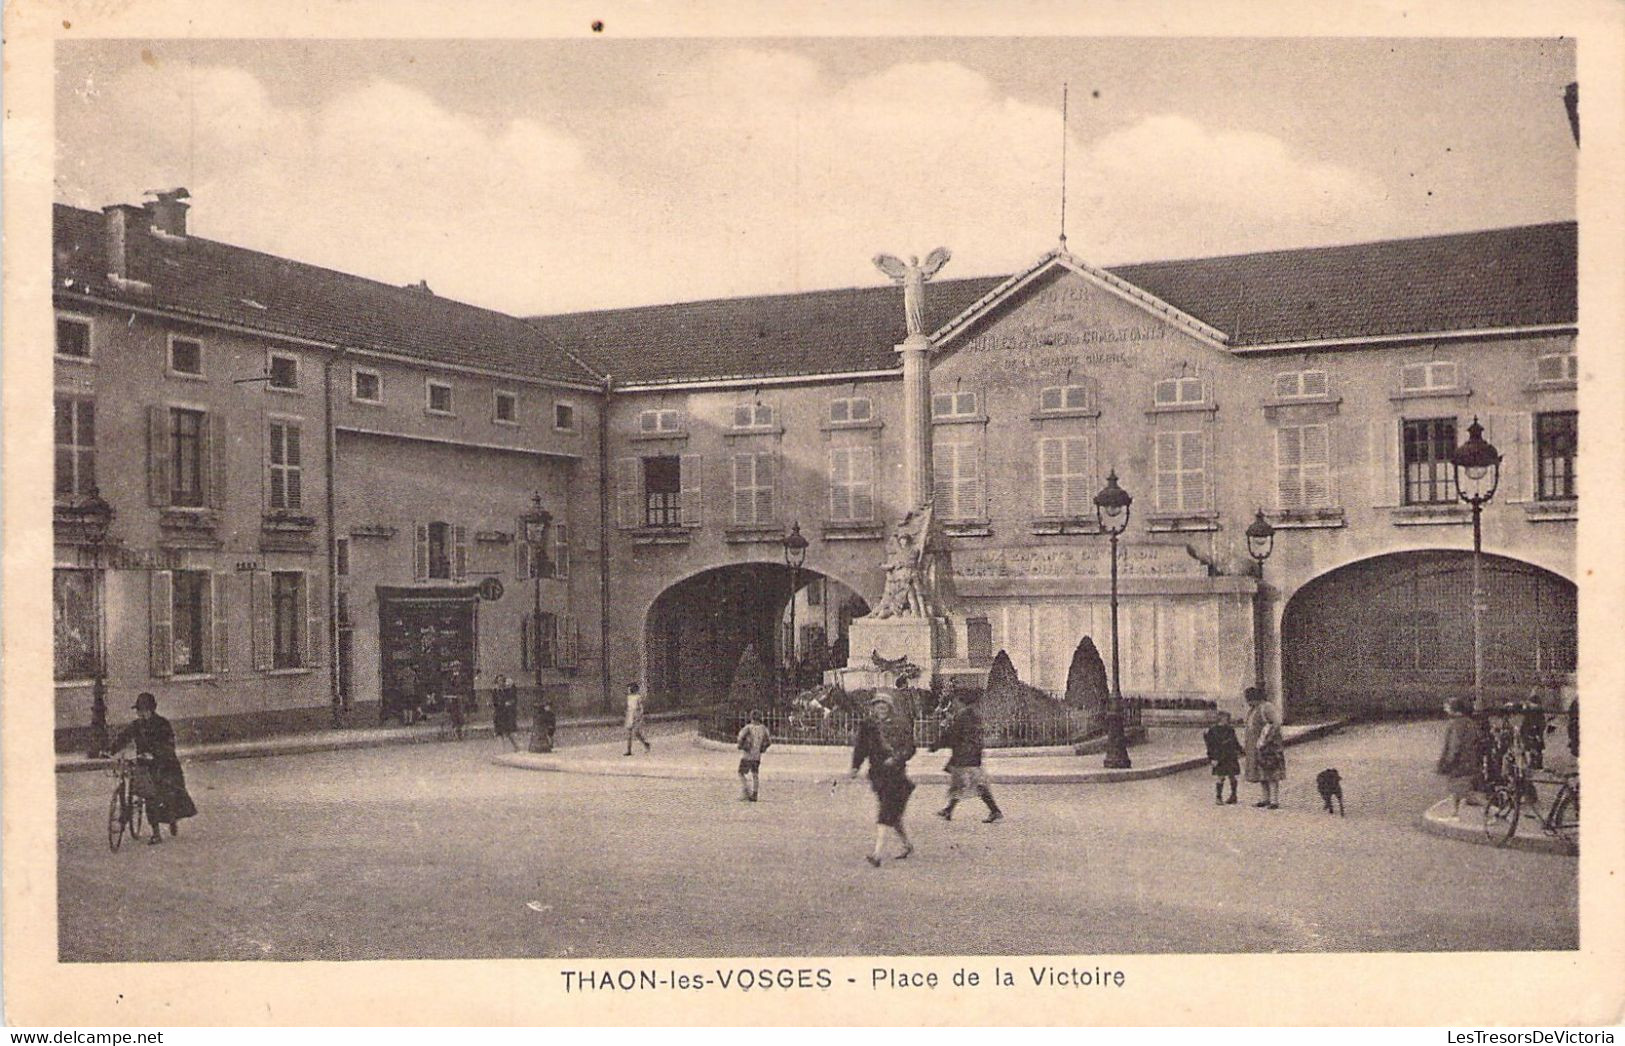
(1062, 301)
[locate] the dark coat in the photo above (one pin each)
(505, 710)
(1223, 749)
(1463, 748)
(964, 736)
(888, 771)
(166, 795)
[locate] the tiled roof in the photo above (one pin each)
(1521, 276)
(217, 281)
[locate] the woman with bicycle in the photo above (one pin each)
(158, 779)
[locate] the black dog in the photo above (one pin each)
(1330, 785)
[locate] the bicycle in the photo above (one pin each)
(1510, 774)
(126, 810)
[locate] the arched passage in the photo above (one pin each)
(696, 629)
(1395, 633)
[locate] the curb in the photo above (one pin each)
(1436, 820)
(343, 740)
(600, 767)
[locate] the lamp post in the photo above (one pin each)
(1260, 543)
(795, 554)
(1477, 466)
(95, 516)
(1112, 511)
(536, 523)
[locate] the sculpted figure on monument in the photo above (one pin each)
(907, 592)
(912, 275)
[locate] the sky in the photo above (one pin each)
(553, 176)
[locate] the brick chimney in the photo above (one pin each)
(124, 221)
(168, 211)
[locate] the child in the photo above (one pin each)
(1224, 752)
(753, 741)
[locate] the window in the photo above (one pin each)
(1429, 478)
(1300, 384)
(186, 357)
(564, 417)
(1181, 472)
(1556, 437)
(753, 488)
(1561, 366)
(440, 552)
(507, 408)
(1425, 377)
(662, 490)
(366, 386)
(953, 405)
(285, 486)
(186, 457)
(1066, 477)
(957, 480)
(665, 420)
(73, 338)
(341, 557)
(538, 647)
(1171, 392)
(287, 619)
(75, 447)
(77, 631)
(815, 593)
(752, 416)
(283, 370)
(850, 410)
(439, 398)
(1064, 397)
(1302, 467)
(851, 484)
(190, 621)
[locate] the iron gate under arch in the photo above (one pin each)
(1394, 634)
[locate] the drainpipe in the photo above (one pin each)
(603, 541)
(340, 713)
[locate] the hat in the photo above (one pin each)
(1254, 694)
(145, 700)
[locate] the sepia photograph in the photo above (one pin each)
(631, 496)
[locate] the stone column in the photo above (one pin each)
(916, 353)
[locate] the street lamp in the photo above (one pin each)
(1112, 511)
(1260, 543)
(535, 524)
(1477, 465)
(795, 554)
(94, 517)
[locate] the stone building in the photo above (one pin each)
(278, 485)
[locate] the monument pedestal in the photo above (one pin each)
(914, 638)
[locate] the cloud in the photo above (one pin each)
(749, 170)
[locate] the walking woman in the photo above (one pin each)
(1264, 748)
(505, 710)
(886, 742)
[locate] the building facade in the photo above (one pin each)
(278, 487)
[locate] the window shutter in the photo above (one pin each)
(1167, 459)
(521, 551)
(420, 552)
(214, 473)
(315, 621)
(863, 483)
(260, 608)
(1193, 463)
(1316, 466)
(840, 489)
(767, 491)
(561, 550)
(942, 477)
(970, 486)
(161, 615)
(1386, 471)
(1051, 485)
(459, 559)
(629, 492)
(1288, 467)
(219, 663)
(157, 456)
(565, 640)
(692, 510)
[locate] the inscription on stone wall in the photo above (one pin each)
(1132, 561)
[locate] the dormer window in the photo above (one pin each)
(1173, 392)
(282, 372)
(438, 397)
(953, 405)
(850, 410)
(506, 408)
(1301, 384)
(185, 357)
(1429, 377)
(1557, 367)
(753, 416)
(73, 337)
(663, 420)
(1064, 397)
